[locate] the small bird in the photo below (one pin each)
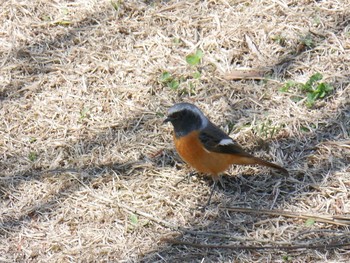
(204, 146)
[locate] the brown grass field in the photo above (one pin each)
(88, 171)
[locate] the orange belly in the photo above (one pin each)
(192, 152)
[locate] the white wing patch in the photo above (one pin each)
(226, 142)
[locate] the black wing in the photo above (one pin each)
(215, 140)
(212, 138)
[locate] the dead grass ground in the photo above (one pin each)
(88, 171)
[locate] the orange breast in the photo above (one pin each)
(193, 152)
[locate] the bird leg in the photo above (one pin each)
(211, 192)
(186, 177)
(216, 179)
(221, 181)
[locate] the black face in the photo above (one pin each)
(176, 116)
(184, 121)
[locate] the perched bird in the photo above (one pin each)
(204, 146)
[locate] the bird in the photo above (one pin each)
(205, 147)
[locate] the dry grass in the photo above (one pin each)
(88, 171)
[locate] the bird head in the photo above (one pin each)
(186, 117)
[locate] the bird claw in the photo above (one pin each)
(187, 177)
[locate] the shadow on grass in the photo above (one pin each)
(219, 226)
(259, 191)
(31, 64)
(265, 191)
(73, 177)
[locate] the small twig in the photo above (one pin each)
(235, 247)
(336, 220)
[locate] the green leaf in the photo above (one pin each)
(287, 258)
(313, 89)
(65, 11)
(296, 98)
(289, 84)
(115, 5)
(284, 88)
(323, 89)
(46, 18)
(176, 40)
(196, 75)
(310, 222)
(32, 139)
(194, 59)
(328, 88)
(165, 77)
(279, 39)
(199, 53)
(304, 129)
(312, 96)
(84, 113)
(133, 219)
(174, 84)
(160, 114)
(307, 41)
(32, 156)
(307, 86)
(315, 77)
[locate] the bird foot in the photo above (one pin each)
(186, 178)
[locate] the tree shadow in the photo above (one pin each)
(35, 61)
(73, 177)
(309, 42)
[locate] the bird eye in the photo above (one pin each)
(176, 115)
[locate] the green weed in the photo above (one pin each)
(307, 41)
(194, 59)
(287, 258)
(32, 156)
(84, 113)
(313, 89)
(310, 222)
(167, 79)
(279, 39)
(116, 5)
(176, 41)
(267, 129)
(134, 219)
(32, 139)
(197, 75)
(172, 82)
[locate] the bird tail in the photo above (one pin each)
(247, 160)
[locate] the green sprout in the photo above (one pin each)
(313, 89)
(194, 59)
(32, 156)
(167, 79)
